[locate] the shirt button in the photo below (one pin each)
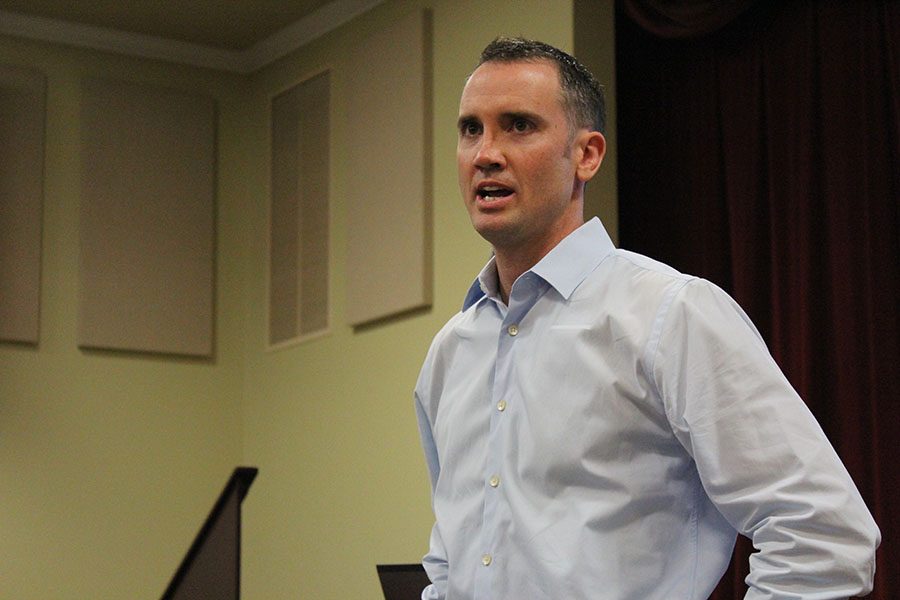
(494, 481)
(486, 560)
(501, 406)
(513, 330)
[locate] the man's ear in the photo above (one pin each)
(591, 150)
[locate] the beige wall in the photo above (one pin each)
(110, 461)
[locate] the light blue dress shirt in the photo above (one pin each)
(606, 434)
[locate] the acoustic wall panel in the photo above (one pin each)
(299, 212)
(389, 185)
(22, 103)
(147, 219)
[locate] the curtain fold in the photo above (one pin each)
(684, 18)
(766, 158)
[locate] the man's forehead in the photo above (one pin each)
(511, 86)
(527, 71)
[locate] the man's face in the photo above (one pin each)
(516, 159)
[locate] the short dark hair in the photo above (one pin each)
(582, 93)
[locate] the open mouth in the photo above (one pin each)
(492, 192)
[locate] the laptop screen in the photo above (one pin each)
(402, 582)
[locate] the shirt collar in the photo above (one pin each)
(486, 284)
(564, 267)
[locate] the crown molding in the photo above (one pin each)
(118, 42)
(282, 42)
(313, 26)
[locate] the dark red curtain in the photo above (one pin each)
(761, 150)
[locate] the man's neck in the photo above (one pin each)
(512, 262)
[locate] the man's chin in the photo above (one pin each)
(499, 233)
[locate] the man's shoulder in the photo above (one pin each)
(635, 275)
(441, 350)
(457, 320)
(450, 327)
(624, 275)
(626, 259)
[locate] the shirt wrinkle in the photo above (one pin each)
(653, 341)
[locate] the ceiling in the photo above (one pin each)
(233, 25)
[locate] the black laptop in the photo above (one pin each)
(402, 582)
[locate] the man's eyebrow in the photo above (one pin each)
(520, 114)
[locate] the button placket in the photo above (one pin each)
(503, 392)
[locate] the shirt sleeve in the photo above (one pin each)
(435, 562)
(760, 454)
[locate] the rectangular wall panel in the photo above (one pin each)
(389, 184)
(147, 219)
(299, 212)
(22, 105)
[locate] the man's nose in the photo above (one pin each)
(490, 155)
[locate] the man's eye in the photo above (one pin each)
(521, 125)
(470, 129)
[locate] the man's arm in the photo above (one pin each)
(761, 456)
(435, 562)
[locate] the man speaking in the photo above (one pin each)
(597, 425)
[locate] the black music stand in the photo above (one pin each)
(211, 569)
